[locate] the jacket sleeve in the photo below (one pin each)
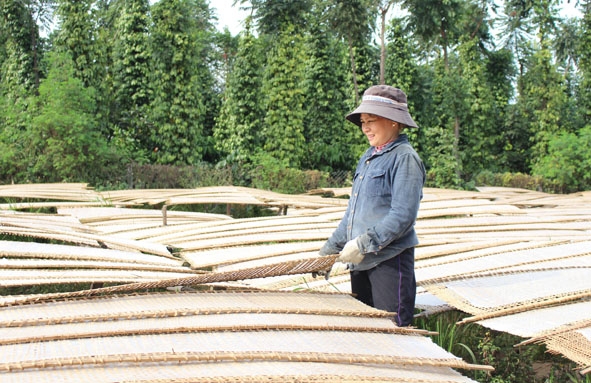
(337, 240)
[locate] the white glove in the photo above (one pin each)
(351, 253)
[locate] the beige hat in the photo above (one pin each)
(384, 101)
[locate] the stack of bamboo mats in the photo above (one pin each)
(508, 257)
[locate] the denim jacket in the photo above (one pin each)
(385, 197)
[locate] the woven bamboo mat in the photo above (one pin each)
(482, 252)
(179, 304)
(253, 239)
(106, 215)
(318, 345)
(496, 220)
(16, 249)
(241, 254)
(217, 372)
(496, 294)
(35, 263)
(37, 277)
(220, 195)
(536, 324)
(448, 252)
(453, 252)
(83, 236)
(241, 227)
(474, 262)
(41, 222)
(222, 335)
(57, 191)
(574, 345)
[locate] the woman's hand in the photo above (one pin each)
(351, 253)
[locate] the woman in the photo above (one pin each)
(376, 236)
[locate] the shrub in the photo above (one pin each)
(568, 163)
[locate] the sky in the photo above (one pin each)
(228, 16)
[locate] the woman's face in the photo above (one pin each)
(378, 130)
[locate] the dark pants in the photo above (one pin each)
(390, 286)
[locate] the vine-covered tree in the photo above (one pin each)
(76, 36)
(178, 107)
(20, 73)
(583, 98)
(131, 77)
(283, 124)
(238, 126)
(402, 71)
(331, 141)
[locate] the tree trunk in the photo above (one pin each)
(383, 11)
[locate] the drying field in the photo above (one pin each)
(146, 292)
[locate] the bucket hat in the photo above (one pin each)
(384, 101)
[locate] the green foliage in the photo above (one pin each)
(584, 88)
(270, 173)
(21, 45)
(178, 106)
(402, 71)
(63, 143)
(544, 97)
(479, 345)
(238, 126)
(480, 142)
(274, 16)
(568, 163)
(442, 171)
(283, 125)
(513, 180)
(14, 119)
(328, 96)
(443, 160)
(168, 89)
(435, 24)
(511, 365)
(76, 37)
(131, 74)
(456, 339)
(401, 67)
(354, 21)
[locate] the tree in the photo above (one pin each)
(480, 138)
(383, 7)
(566, 165)
(544, 97)
(20, 24)
(131, 74)
(64, 144)
(273, 16)
(238, 126)
(283, 125)
(584, 88)
(449, 106)
(179, 46)
(436, 23)
(20, 73)
(516, 31)
(402, 71)
(542, 93)
(353, 21)
(77, 37)
(332, 143)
